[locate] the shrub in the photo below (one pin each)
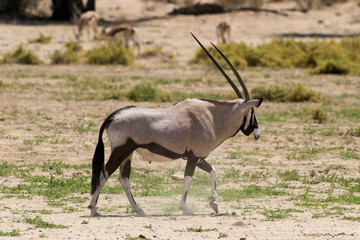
(319, 57)
(292, 93)
(154, 52)
(21, 55)
(234, 52)
(355, 132)
(145, 91)
(110, 53)
(70, 55)
(298, 93)
(332, 67)
(41, 39)
(73, 46)
(319, 115)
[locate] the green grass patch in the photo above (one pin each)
(7, 169)
(13, 233)
(349, 153)
(39, 223)
(352, 113)
(333, 167)
(278, 214)
(351, 218)
(288, 175)
(41, 39)
(252, 191)
(201, 229)
(355, 132)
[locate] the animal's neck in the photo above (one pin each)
(229, 119)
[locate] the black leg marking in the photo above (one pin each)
(125, 171)
(185, 196)
(190, 166)
(118, 155)
(202, 164)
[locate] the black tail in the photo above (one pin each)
(98, 159)
(99, 155)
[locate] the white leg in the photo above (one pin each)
(183, 206)
(212, 171)
(213, 198)
(95, 196)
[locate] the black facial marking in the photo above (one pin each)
(252, 125)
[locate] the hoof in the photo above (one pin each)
(95, 214)
(139, 212)
(214, 204)
(187, 212)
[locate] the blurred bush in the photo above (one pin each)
(292, 93)
(22, 56)
(145, 91)
(319, 115)
(41, 39)
(111, 52)
(70, 55)
(318, 56)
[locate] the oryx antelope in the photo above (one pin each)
(189, 129)
(128, 32)
(88, 20)
(223, 32)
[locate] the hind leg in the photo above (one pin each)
(103, 177)
(118, 155)
(125, 169)
(202, 164)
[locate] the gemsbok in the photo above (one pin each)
(88, 20)
(223, 32)
(190, 129)
(127, 31)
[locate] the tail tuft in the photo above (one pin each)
(98, 162)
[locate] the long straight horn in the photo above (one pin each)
(242, 83)
(232, 84)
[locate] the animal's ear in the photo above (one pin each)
(252, 103)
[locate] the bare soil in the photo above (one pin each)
(29, 109)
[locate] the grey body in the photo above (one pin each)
(192, 125)
(190, 129)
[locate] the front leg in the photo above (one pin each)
(189, 172)
(213, 197)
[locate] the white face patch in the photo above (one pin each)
(248, 117)
(256, 133)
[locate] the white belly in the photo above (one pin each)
(149, 156)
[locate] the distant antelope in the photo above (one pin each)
(189, 129)
(88, 20)
(127, 31)
(223, 31)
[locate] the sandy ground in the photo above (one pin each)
(173, 35)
